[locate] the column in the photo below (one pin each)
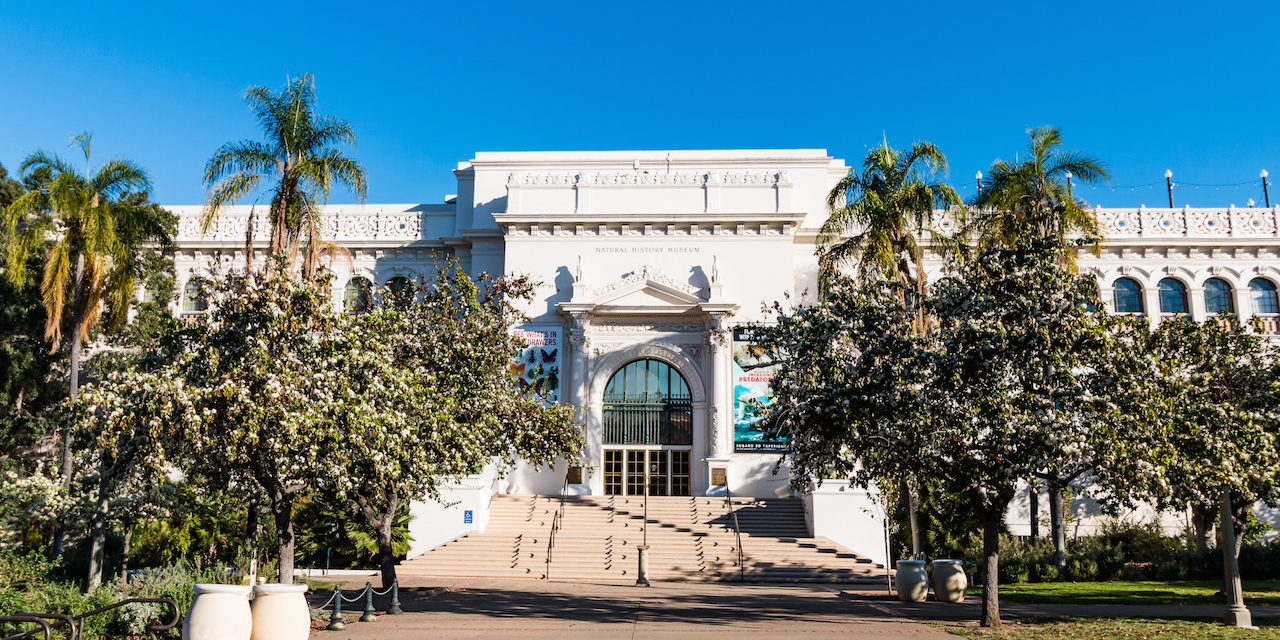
(577, 394)
(719, 416)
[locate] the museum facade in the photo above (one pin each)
(651, 264)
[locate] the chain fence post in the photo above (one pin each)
(336, 623)
(368, 604)
(394, 609)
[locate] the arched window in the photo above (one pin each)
(1218, 296)
(1173, 296)
(1128, 296)
(193, 296)
(648, 402)
(398, 284)
(355, 296)
(1264, 296)
(397, 290)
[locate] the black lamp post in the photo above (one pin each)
(1266, 193)
(979, 177)
(1168, 181)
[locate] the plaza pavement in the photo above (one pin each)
(534, 610)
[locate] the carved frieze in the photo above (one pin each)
(671, 326)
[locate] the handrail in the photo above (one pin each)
(555, 523)
(737, 532)
(44, 626)
(77, 632)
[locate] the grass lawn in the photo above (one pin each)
(1256, 592)
(1088, 629)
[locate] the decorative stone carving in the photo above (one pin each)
(1163, 222)
(1115, 223)
(648, 327)
(718, 341)
(1208, 223)
(1253, 222)
(647, 273)
(717, 435)
(646, 178)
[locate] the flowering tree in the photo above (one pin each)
(431, 396)
(1218, 419)
(139, 421)
(1006, 388)
(263, 361)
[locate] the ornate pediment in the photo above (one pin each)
(648, 282)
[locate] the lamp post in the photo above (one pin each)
(1266, 193)
(1070, 195)
(1168, 181)
(978, 175)
(1236, 614)
(642, 572)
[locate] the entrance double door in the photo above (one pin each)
(664, 471)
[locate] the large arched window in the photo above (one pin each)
(648, 402)
(1218, 297)
(1128, 296)
(356, 295)
(1173, 296)
(193, 296)
(1263, 292)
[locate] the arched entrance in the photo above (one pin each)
(647, 419)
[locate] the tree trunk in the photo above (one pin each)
(1202, 519)
(282, 508)
(124, 554)
(913, 517)
(990, 568)
(59, 534)
(384, 549)
(1058, 527)
(99, 533)
(382, 519)
(251, 523)
(1034, 508)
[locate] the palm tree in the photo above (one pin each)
(877, 218)
(296, 159)
(94, 220)
(1032, 198)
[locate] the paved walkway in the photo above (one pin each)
(532, 610)
(970, 609)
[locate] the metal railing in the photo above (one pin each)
(556, 521)
(654, 420)
(737, 532)
(75, 624)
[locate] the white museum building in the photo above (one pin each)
(648, 262)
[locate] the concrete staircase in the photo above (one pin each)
(690, 538)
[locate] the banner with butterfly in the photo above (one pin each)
(537, 366)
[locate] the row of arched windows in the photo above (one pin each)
(1218, 296)
(357, 296)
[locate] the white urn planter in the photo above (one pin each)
(219, 612)
(949, 580)
(280, 612)
(912, 580)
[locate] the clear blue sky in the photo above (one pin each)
(1184, 85)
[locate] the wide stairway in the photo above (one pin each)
(690, 538)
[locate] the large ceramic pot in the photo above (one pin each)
(280, 612)
(949, 580)
(912, 580)
(219, 612)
